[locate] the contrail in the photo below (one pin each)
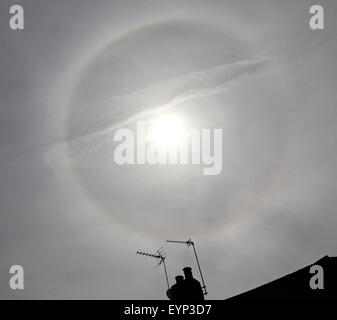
(176, 91)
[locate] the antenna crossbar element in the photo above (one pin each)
(189, 243)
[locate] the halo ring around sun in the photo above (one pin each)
(158, 127)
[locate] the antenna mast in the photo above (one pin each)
(189, 243)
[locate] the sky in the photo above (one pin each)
(74, 219)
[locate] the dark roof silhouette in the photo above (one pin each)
(296, 285)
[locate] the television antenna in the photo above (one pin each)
(189, 243)
(160, 256)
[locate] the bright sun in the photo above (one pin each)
(166, 131)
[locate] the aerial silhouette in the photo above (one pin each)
(315, 282)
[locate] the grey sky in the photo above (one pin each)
(74, 220)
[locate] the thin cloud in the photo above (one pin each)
(178, 90)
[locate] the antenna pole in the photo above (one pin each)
(202, 278)
(167, 281)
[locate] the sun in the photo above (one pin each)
(166, 131)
